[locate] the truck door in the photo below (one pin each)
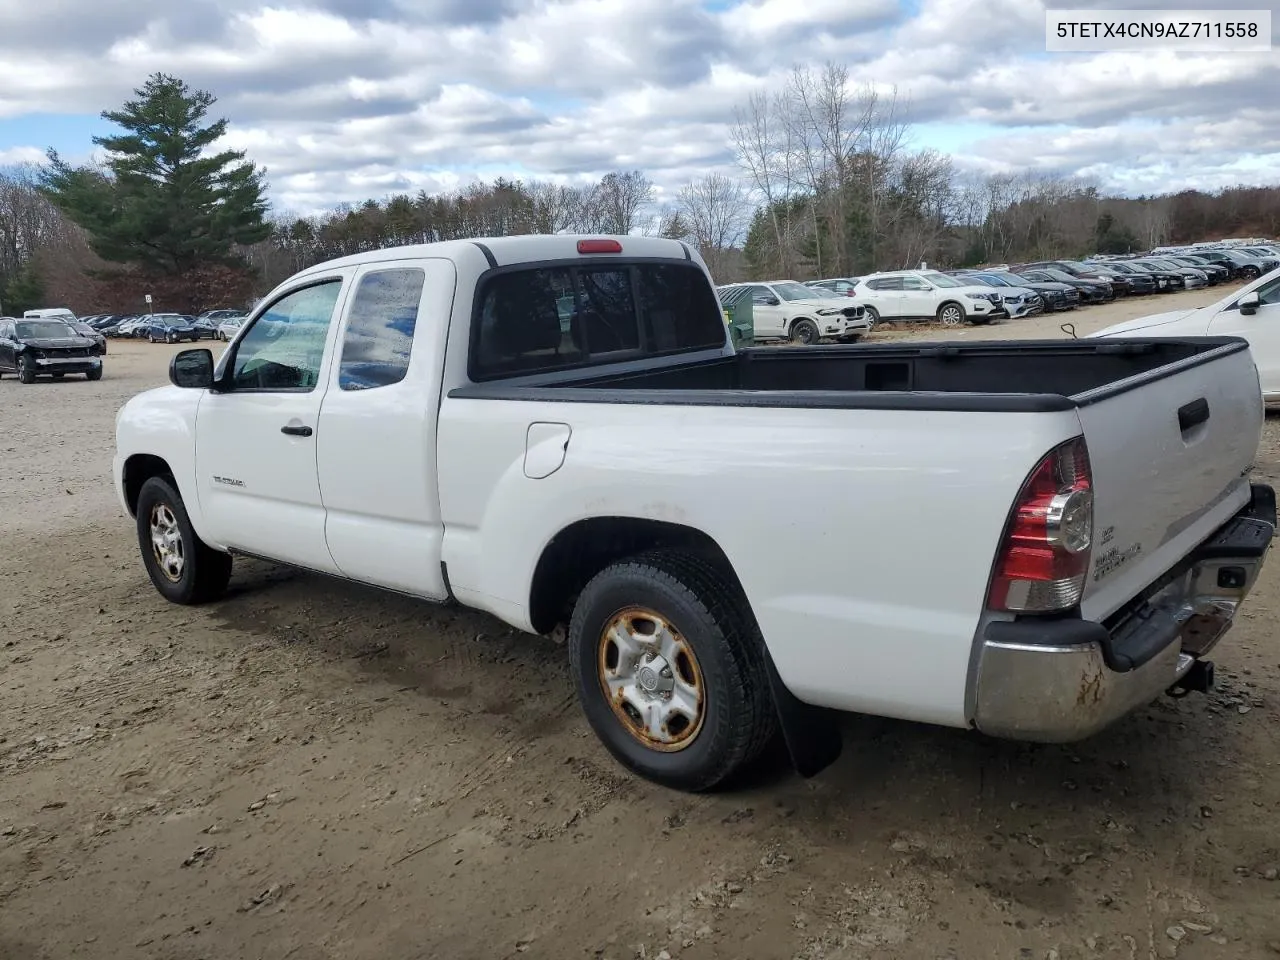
(376, 438)
(256, 436)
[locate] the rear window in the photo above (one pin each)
(553, 318)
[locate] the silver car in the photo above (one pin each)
(228, 327)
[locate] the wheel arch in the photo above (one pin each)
(582, 549)
(138, 469)
(585, 547)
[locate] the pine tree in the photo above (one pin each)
(163, 200)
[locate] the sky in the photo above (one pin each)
(343, 100)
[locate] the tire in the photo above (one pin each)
(951, 315)
(26, 370)
(93, 374)
(874, 316)
(805, 331)
(1250, 273)
(170, 338)
(721, 650)
(202, 573)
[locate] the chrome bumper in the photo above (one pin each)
(1055, 681)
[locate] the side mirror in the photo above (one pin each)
(772, 301)
(1249, 304)
(192, 369)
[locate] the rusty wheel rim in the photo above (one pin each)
(650, 675)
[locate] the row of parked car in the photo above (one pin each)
(806, 313)
(168, 327)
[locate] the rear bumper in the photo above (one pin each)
(1055, 681)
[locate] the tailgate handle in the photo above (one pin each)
(1193, 414)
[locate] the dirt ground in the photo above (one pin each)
(312, 770)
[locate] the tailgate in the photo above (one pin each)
(1170, 457)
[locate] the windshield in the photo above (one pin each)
(983, 278)
(942, 280)
(42, 330)
(1060, 275)
(827, 293)
(1011, 279)
(794, 291)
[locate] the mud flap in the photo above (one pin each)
(811, 733)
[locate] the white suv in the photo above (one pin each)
(784, 309)
(928, 295)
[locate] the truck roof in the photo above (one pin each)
(510, 250)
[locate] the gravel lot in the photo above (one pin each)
(311, 770)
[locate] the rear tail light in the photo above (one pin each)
(1043, 560)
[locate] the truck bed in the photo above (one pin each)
(1014, 375)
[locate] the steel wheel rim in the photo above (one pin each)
(951, 317)
(166, 542)
(805, 334)
(650, 675)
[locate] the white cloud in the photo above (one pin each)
(345, 99)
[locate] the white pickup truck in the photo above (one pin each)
(1027, 538)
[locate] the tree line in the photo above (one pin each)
(828, 185)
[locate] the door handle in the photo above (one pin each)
(296, 431)
(1193, 414)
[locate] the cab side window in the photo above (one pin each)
(284, 349)
(380, 328)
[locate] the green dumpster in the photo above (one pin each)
(736, 303)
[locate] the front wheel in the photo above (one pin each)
(183, 568)
(1250, 273)
(874, 316)
(26, 370)
(95, 374)
(950, 315)
(668, 666)
(804, 331)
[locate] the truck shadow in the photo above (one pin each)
(1152, 766)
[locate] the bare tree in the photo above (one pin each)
(618, 199)
(556, 207)
(764, 151)
(715, 211)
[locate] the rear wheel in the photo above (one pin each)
(804, 331)
(951, 315)
(668, 667)
(26, 370)
(873, 316)
(183, 568)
